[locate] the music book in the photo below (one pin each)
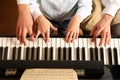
(49, 74)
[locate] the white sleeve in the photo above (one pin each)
(111, 7)
(34, 9)
(23, 2)
(84, 8)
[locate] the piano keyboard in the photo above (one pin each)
(81, 49)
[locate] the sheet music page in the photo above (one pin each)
(49, 74)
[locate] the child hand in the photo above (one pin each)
(44, 26)
(72, 31)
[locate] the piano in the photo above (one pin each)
(85, 57)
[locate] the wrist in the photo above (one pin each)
(77, 18)
(108, 17)
(23, 8)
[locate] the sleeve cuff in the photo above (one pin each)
(111, 10)
(35, 12)
(83, 13)
(23, 1)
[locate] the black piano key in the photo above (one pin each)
(64, 53)
(32, 53)
(1, 51)
(78, 53)
(91, 54)
(14, 53)
(27, 53)
(59, 53)
(5, 53)
(19, 53)
(115, 56)
(38, 53)
(69, 53)
(96, 53)
(101, 54)
(83, 53)
(110, 56)
(51, 53)
(46, 53)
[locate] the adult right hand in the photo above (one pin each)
(24, 24)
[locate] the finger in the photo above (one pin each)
(70, 38)
(47, 37)
(92, 31)
(31, 34)
(102, 41)
(53, 28)
(77, 34)
(73, 37)
(24, 34)
(96, 34)
(18, 31)
(107, 39)
(67, 36)
(43, 35)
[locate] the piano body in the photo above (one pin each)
(85, 57)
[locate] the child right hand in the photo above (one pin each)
(44, 26)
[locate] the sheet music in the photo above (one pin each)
(49, 74)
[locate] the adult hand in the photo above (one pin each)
(102, 28)
(44, 26)
(72, 31)
(24, 24)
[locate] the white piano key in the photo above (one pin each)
(74, 46)
(80, 44)
(13, 44)
(116, 45)
(23, 51)
(106, 57)
(9, 39)
(112, 46)
(62, 45)
(4, 41)
(90, 45)
(119, 51)
(14, 41)
(74, 49)
(85, 44)
(30, 43)
(41, 46)
(36, 41)
(58, 43)
(54, 47)
(49, 46)
(67, 46)
(4, 44)
(97, 45)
